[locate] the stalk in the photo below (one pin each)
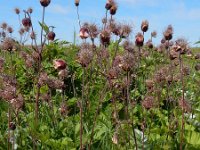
(81, 110)
(183, 98)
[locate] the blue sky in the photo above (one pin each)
(183, 15)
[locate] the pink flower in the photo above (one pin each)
(59, 64)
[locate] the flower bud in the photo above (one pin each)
(26, 22)
(59, 64)
(45, 3)
(51, 36)
(83, 33)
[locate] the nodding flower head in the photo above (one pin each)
(93, 31)
(33, 35)
(181, 45)
(51, 36)
(45, 3)
(10, 30)
(148, 102)
(149, 44)
(154, 34)
(77, 2)
(109, 4)
(26, 22)
(139, 40)
(30, 10)
(4, 25)
(113, 9)
(105, 37)
(21, 31)
(84, 33)
(85, 55)
(144, 26)
(8, 44)
(125, 30)
(168, 34)
(129, 46)
(17, 11)
(59, 64)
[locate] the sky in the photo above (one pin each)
(183, 15)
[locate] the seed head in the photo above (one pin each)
(129, 46)
(26, 22)
(113, 9)
(148, 102)
(149, 44)
(10, 30)
(182, 46)
(139, 40)
(45, 3)
(4, 25)
(55, 83)
(128, 61)
(51, 36)
(30, 10)
(144, 26)
(77, 2)
(186, 71)
(154, 34)
(125, 30)
(8, 44)
(168, 34)
(113, 73)
(85, 55)
(21, 31)
(93, 31)
(173, 54)
(33, 35)
(17, 11)
(105, 37)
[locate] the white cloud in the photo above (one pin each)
(59, 9)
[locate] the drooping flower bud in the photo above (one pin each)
(139, 39)
(77, 2)
(83, 33)
(59, 64)
(145, 26)
(26, 22)
(51, 36)
(45, 3)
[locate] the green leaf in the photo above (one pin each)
(45, 27)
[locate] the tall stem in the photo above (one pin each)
(79, 22)
(81, 110)
(183, 98)
(42, 29)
